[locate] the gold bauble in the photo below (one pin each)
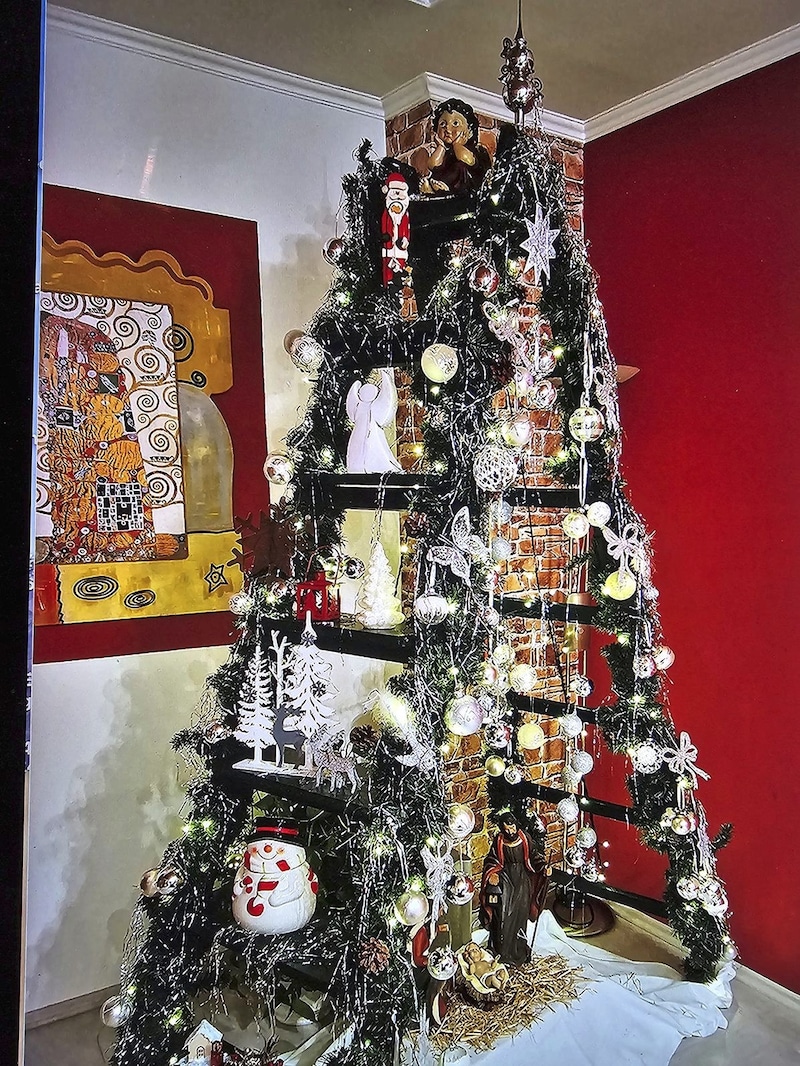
(495, 766)
(439, 363)
(619, 585)
(530, 736)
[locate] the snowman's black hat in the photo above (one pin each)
(284, 829)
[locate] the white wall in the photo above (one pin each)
(105, 788)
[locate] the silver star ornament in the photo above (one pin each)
(540, 245)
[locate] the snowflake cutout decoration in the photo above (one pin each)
(540, 245)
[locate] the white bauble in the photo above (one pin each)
(464, 716)
(439, 363)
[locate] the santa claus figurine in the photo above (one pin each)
(395, 229)
(275, 890)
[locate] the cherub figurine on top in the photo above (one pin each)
(458, 164)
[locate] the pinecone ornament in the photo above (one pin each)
(373, 956)
(364, 739)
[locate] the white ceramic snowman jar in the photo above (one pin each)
(275, 890)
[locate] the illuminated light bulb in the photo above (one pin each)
(435, 390)
(558, 351)
(495, 198)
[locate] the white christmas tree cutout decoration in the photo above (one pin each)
(377, 607)
(256, 709)
(307, 690)
(540, 245)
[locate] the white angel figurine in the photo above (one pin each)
(370, 408)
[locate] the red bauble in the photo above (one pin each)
(333, 250)
(484, 279)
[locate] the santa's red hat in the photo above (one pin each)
(395, 180)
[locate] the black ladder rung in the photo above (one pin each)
(550, 708)
(533, 606)
(602, 808)
(392, 646)
(601, 890)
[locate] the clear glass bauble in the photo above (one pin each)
(497, 735)
(586, 424)
(688, 888)
(460, 820)
(483, 278)
(513, 774)
(502, 512)
(522, 677)
(442, 963)
(582, 685)
(431, 609)
(115, 1012)
(644, 666)
(598, 513)
(278, 468)
(332, 250)
(586, 837)
(439, 363)
(412, 908)
(543, 395)
(460, 889)
(516, 431)
(575, 857)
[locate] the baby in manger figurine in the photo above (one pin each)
(458, 164)
(513, 887)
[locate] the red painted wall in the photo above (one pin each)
(693, 222)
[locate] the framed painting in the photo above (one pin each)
(146, 353)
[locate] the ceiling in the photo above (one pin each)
(590, 54)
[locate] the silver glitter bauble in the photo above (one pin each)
(464, 716)
(278, 468)
(586, 424)
(503, 654)
(502, 549)
(412, 908)
(115, 1012)
(522, 677)
(582, 762)
(663, 656)
(430, 609)
(646, 758)
(460, 820)
(497, 735)
(544, 395)
(598, 513)
(442, 964)
(494, 468)
(241, 603)
(582, 685)
(570, 725)
(586, 837)
(644, 666)
(513, 774)
(688, 888)
(575, 858)
(460, 889)
(567, 810)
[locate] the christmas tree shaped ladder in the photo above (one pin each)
(336, 880)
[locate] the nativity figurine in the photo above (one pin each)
(458, 163)
(513, 887)
(481, 970)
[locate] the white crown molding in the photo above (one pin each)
(745, 61)
(436, 88)
(129, 39)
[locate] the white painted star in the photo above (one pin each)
(540, 245)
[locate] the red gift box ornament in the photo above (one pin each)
(319, 597)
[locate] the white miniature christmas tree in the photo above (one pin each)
(307, 689)
(377, 607)
(256, 708)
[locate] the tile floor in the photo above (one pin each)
(760, 1032)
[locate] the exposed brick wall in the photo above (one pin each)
(541, 551)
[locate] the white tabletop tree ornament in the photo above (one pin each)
(377, 607)
(307, 691)
(371, 407)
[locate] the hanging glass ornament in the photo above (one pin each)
(148, 883)
(581, 685)
(503, 654)
(570, 725)
(646, 758)
(495, 766)
(241, 603)
(575, 857)
(464, 716)
(169, 880)
(682, 823)
(575, 525)
(278, 468)
(619, 585)
(516, 431)
(411, 908)
(544, 363)
(354, 568)
(663, 657)
(307, 354)
(643, 666)
(483, 278)
(442, 963)
(116, 1012)
(567, 810)
(501, 511)
(431, 609)
(544, 395)
(522, 677)
(513, 774)
(460, 820)
(332, 250)
(497, 735)
(729, 951)
(460, 889)
(688, 888)
(502, 549)
(717, 905)
(494, 468)
(530, 736)
(439, 363)
(586, 424)
(586, 837)
(598, 513)
(581, 762)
